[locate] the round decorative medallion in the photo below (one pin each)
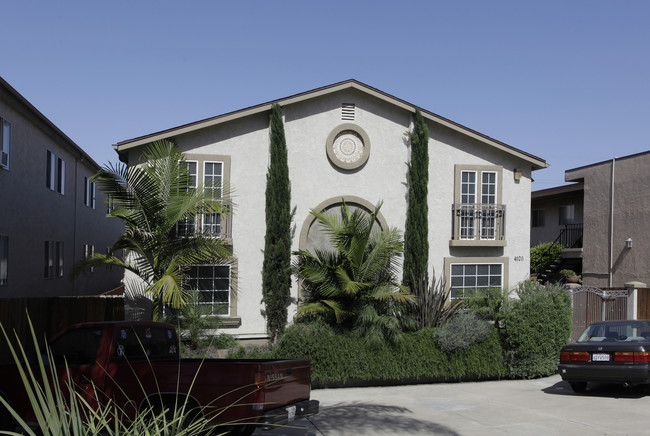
(348, 146)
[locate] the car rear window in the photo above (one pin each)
(616, 332)
(140, 342)
(78, 346)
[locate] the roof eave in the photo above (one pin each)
(536, 162)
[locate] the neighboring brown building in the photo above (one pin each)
(616, 220)
(603, 218)
(51, 216)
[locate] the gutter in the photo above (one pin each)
(611, 223)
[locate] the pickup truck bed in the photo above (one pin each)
(136, 365)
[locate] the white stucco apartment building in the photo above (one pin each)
(348, 141)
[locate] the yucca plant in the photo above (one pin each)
(434, 306)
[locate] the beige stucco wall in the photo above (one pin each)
(314, 179)
(605, 234)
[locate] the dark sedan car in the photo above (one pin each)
(608, 352)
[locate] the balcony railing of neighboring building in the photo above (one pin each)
(478, 222)
(571, 236)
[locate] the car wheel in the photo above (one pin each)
(579, 386)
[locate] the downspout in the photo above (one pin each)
(611, 223)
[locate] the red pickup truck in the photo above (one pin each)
(136, 365)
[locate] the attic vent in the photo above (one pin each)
(347, 111)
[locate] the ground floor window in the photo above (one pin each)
(53, 259)
(474, 276)
(213, 283)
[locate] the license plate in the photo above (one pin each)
(291, 410)
(600, 357)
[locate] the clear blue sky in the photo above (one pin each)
(568, 81)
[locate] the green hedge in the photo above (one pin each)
(534, 329)
(344, 360)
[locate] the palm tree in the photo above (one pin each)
(151, 199)
(355, 285)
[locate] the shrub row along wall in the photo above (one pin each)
(340, 360)
(51, 315)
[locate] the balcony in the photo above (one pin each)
(478, 224)
(211, 224)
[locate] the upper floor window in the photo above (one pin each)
(89, 193)
(53, 259)
(567, 214)
(55, 176)
(478, 213)
(537, 218)
(212, 181)
(4, 259)
(5, 143)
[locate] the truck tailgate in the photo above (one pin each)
(285, 382)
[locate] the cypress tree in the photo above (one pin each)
(416, 233)
(276, 270)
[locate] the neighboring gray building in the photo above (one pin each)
(616, 220)
(347, 141)
(51, 216)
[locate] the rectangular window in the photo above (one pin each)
(468, 200)
(53, 259)
(89, 193)
(567, 214)
(466, 277)
(488, 201)
(4, 259)
(5, 143)
(213, 284)
(55, 173)
(213, 182)
(89, 251)
(192, 169)
(537, 218)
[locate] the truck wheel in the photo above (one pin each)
(579, 387)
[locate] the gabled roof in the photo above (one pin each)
(536, 162)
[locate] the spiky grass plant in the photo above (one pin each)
(62, 410)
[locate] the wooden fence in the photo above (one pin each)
(50, 315)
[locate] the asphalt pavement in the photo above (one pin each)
(544, 406)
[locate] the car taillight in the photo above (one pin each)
(629, 356)
(575, 356)
(258, 395)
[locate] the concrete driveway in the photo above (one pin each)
(522, 407)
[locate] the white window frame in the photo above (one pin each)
(204, 287)
(212, 222)
(89, 193)
(55, 176)
(5, 143)
(468, 276)
(473, 183)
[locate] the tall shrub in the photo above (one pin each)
(416, 234)
(276, 270)
(535, 327)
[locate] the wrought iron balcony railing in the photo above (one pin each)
(478, 222)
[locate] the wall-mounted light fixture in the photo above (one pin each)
(628, 243)
(516, 174)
